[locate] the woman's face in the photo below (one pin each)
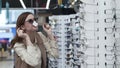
(30, 24)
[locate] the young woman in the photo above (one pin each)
(32, 48)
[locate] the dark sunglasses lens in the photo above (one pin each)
(30, 21)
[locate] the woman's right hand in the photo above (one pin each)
(21, 33)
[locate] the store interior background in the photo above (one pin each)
(87, 31)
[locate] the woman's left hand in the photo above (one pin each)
(47, 29)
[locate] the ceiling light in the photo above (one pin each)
(48, 3)
(22, 3)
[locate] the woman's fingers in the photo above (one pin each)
(46, 27)
(20, 32)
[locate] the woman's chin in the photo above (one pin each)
(35, 28)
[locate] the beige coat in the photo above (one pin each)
(32, 54)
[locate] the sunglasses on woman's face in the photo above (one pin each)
(33, 22)
(30, 21)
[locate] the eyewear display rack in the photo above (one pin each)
(90, 38)
(109, 24)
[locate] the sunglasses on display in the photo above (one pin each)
(53, 63)
(112, 65)
(84, 4)
(110, 30)
(114, 48)
(110, 57)
(84, 64)
(90, 65)
(112, 11)
(71, 55)
(112, 20)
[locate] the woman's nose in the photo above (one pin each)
(35, 23)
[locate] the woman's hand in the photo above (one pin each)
(47, 29)
(21, 33)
